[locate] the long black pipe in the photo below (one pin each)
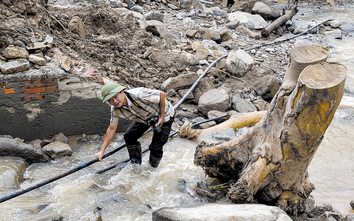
(44, 182)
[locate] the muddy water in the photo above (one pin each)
(141, 188)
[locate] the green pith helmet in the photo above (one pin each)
(110, 89)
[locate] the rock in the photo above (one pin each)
(60, 137)
(265, 11)
(267, 87)
(335, 24)
(183, 92)
(204, 85)
(191, 33)
(155, 27)
(37, 60)
(77, 26)
(242, 105)
(233, 24)
(186, 4)
(16, 148)
(221, 212)
(57, 150)
(138, 9)
(47, 43)
(218, 12)
(66, 64)
(238, 63)
(224, 135)
(15, 66)
(211, 34)
(180, 82)
(107, 198)
(189, 58)
(154, 15)
(252, 22)
(13, 52)
(12, 169)
(214, 99)
(336, 34)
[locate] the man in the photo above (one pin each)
(145, 107)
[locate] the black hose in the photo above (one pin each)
(44, 182)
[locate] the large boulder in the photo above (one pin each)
(17, 148)
(214, 99)
(221, 212)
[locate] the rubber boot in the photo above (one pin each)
(154, 162)
(135, 154)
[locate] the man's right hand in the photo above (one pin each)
(99, 155)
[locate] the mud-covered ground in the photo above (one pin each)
(122, 54)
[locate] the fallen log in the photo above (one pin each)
(268, 162)
(289, 13)
(235, 120)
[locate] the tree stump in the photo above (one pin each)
(268, 163)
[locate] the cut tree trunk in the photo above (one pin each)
(289, 13)
(268, 162)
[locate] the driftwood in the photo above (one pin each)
(268, 162)
(235, 120)
(289, 13)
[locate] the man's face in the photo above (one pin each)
(117, 100)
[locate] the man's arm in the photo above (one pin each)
(162, 108)
(110, 133)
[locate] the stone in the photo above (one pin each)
(47, 43)
(155, 27)
(242, 105)
(267, 87)
(154, 15)
(179, 82)
(66, 64)
(225, 135)
(214, 99)
(13, 52)
(250, 21)
(265, 11)
(37, 60)
(238, 63)
(12, 169)
(211, 34)
(191, 33)
(17, 148)
(221, 212)
(15, 66)
(57, 149)
(77, 26)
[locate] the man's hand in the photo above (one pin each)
(159, 122)
(99, 155)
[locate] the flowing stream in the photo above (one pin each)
(138, 190)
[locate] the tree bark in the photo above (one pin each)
(289, 13)
(268, 163)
